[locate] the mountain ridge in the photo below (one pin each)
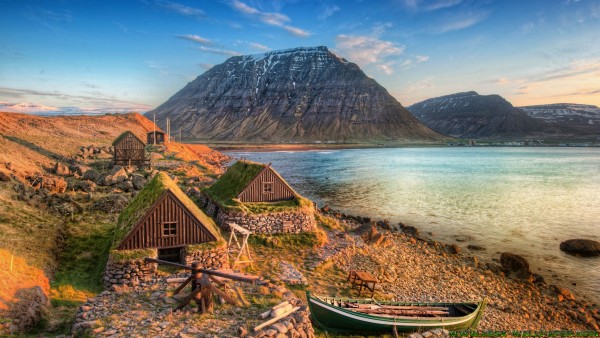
(470, 115)
(304, 94)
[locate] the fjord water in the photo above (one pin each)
(520, 200)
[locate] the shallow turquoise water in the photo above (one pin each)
(521, 200)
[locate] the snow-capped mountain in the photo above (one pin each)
(293, 95)
(470, 115)
(565, 113)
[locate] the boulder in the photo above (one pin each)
(126, 186)
(4, 176)
(453, 249)
(516, 264)
(410, 230)
(112, 203)
(61, 169)
(582, 247)
(87, 186)
(78, 169)
(91, 175)
(119, 175)
(138, 181)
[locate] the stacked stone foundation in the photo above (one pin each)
(131, 273)
(293, 221)
(209, 259)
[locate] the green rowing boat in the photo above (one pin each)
(371, 316)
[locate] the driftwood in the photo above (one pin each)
(273, 320)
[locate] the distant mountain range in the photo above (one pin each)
(38, 109)
(286, 96)
(474, 116)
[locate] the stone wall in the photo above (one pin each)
(294, 221)
(210, 259)
(134, 272)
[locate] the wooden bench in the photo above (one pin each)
(362, 280)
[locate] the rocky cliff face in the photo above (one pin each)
(470, 115)
(295, 95)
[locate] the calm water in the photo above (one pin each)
(521, 200)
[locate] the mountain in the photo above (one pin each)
(293, 95)
(470, 115)
(38, 109)
(585, 118)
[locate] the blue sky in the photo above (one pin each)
(135, 54)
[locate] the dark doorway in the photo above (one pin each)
(170, 255)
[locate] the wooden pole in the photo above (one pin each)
(196, 276)
(273, 320)
(207, 294)
(154, 138)
(12, 258)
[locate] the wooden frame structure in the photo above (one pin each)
(202, 286)
(234, 246)
(155, 137)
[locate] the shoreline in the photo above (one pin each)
(422, 268)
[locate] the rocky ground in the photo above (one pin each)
(414, 268)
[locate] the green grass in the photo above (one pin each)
(261, 208)
(303, 240)
(85, 254)
(122, 256)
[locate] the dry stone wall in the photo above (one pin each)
(294, 221)
(131, 273)
(209, 259)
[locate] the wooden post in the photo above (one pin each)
(12, 258)
(196, 275)
(207, 294)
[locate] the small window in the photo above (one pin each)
(267, 187)
(169, 229)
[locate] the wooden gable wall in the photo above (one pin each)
(149, 232)
(255, 191)
(129, 149)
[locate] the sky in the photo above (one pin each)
(135, 54)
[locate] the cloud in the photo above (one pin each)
(258, 46)
(430, 5)
(181, 9)
(299, 32)
(97, 99)
(48, 18)
(366, 49)
(327, 11)
(585, 92)
(387, 67)
(219, 51)
(269, 18)
(161, 68)
(421, 58)
(195, 38)
(461, 21)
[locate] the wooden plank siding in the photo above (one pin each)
(129, 149)
(254, 192)
(148, 233)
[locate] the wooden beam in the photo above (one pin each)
(180, 287)
(273, 320)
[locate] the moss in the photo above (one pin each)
(233, 181)
(261, 208)
(123, 256)
(308, 239)
(328, 223)
(205, 246)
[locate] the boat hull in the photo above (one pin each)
(333, 318)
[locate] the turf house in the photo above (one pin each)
(129, 150)
(256, 197)
(162, 222)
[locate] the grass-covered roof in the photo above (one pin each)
(233, 181)
(145, 199)
(237, 177)
(122, 136)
